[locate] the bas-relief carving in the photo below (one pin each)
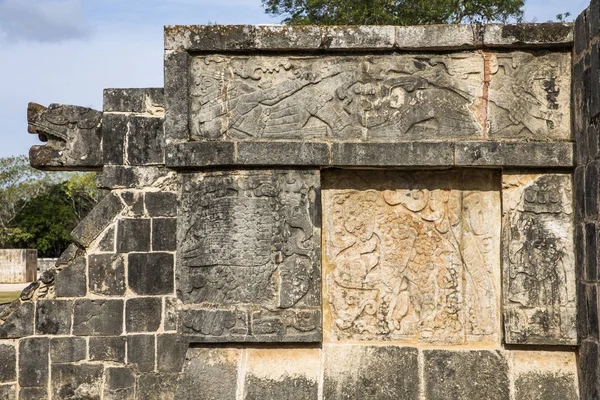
(249, 256)
(412, 256)
(539, 269)
(388, 98)
(530, 96)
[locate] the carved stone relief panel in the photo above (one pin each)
(530, 96)
(412, 256)
(539, 268)
(384, 97)
(249, 265)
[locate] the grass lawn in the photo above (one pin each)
(6, 297)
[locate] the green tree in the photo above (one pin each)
(393, 12)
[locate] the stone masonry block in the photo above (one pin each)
(133, 235)
(545, 375)
(465, 375)
(591, 251)
(283, 153)
(33, 393)
(528, 35)
(98, 219)
(164, 234)
(140, 352)
(161, 204)
(143, 314)
(8, 363)
(119, 384)
(592, 177)
(516, 154)
(589, 369)
(579, 188)
(118, 176)
(285, 37)
(581, 34)
(9, 392)
(133, 100)
(151, 273)
(145, 141)
(176, 65)
(67, 349)
(107, 348)
(135, 202)
(19, 323)
(77, 381)
(114, 129)
(155, 386)
(94, 317)
(171, 349)
(358, 37)
(107, 242)
(200, 154)
(53, 317)
(71, 280)
(106, 274)
(33, 361)
(392, 154)
(436, 36)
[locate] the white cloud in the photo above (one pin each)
(42, 20)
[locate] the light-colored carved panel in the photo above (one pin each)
(387, 98)
(539, 268)
(530, 96)
(412, 256)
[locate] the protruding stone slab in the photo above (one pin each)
(412, 256)
(539, 269)
(249, 256)
(370, 372)
(528, 35)
(392, 154)
(514, 154)
(545, 375)
(442, 37)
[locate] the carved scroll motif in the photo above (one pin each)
(539, 269)
(413, 257)
(249, 256)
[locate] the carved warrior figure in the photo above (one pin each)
(386, 97)
(73, 135)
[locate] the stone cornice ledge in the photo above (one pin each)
(194, 155)
(226, 38)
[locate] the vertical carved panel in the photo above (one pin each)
(539, 269)
(412, 257)
(249, 256)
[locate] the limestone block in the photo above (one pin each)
(133, 234)
(528, 35)
(290, 374)
(530, 96)
(170, 352)
(67, 349)
(538, 268)
(107, 348)
(159, 386)
(150, 273)
(412, 256)
(249, 256)
(143, 314)
(118, 177)
(71, 281)
(77, 381)
(8, 363)
(16, 320)
(141, 352)
(541, 375)
(93, 317)
(33, 393)
(18, 265)
(98, 219)
(370, 372)
(164, 234)
(375, 97)
(9, 392)
(134, 100)
(53, 317)
(106, 274)
(33, 361)
(119, 384)
(450, 36)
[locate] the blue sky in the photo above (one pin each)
(67, 51)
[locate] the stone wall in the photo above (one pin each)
(317, 213)
(18, 265)
(44, 264)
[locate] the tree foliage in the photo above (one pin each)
(393, 12)
(39, 209)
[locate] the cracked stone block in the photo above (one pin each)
(370, 372)
(70, 281)
(160, 386)
(119, 384)
(133, 235)
(94, 317)
(106, 274)
(539, 267)
(290, 374)
(107, 348)
(53, 317)
(33, 361)
(18, 320)
(161, 204)
(543, 375)
(140, 352)
(412, 256)
(465, 375)
(151, 273)
(8, 363)
(171, 349)
(77, 381)
(67, 349)
(164, 234)
(143, 314)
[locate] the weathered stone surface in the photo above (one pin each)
(8, 363)
(591, 251)
(33, 393)
(164, 234)
(107, 241)
(592, 188)
(249, 256)
(114, 129)
(528, 35)
(71, 281)
(9, 392)
(290, 374)
(143, 314)
(412, 256)
(72, 251)
(73, 136)
(286, 37)
(106, 274)
(117, 176)
(134, 100)
(133, 235)
(358, 37)
(444, 37)
(17, 320)
(200, 154)
(171, 313)
(465, 375)
(67, 349)
(392, 154)
(18, 265)
(382, 98)
(283, 153)
(98, 219)
(159, 386)
(539, 271)
(545, 375)
(135, 202)
(176, 66)
(171, 349)
(370, 372)
(145, 140)
(589, 369)
(161, 204)
(94, 317)
(205, 366)
(514, 154)
(107, 348)
(33, 361)
(140, 352)
(530, 96)
(53, 317)
(151, 273)
(77, 381)
(119, 384)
